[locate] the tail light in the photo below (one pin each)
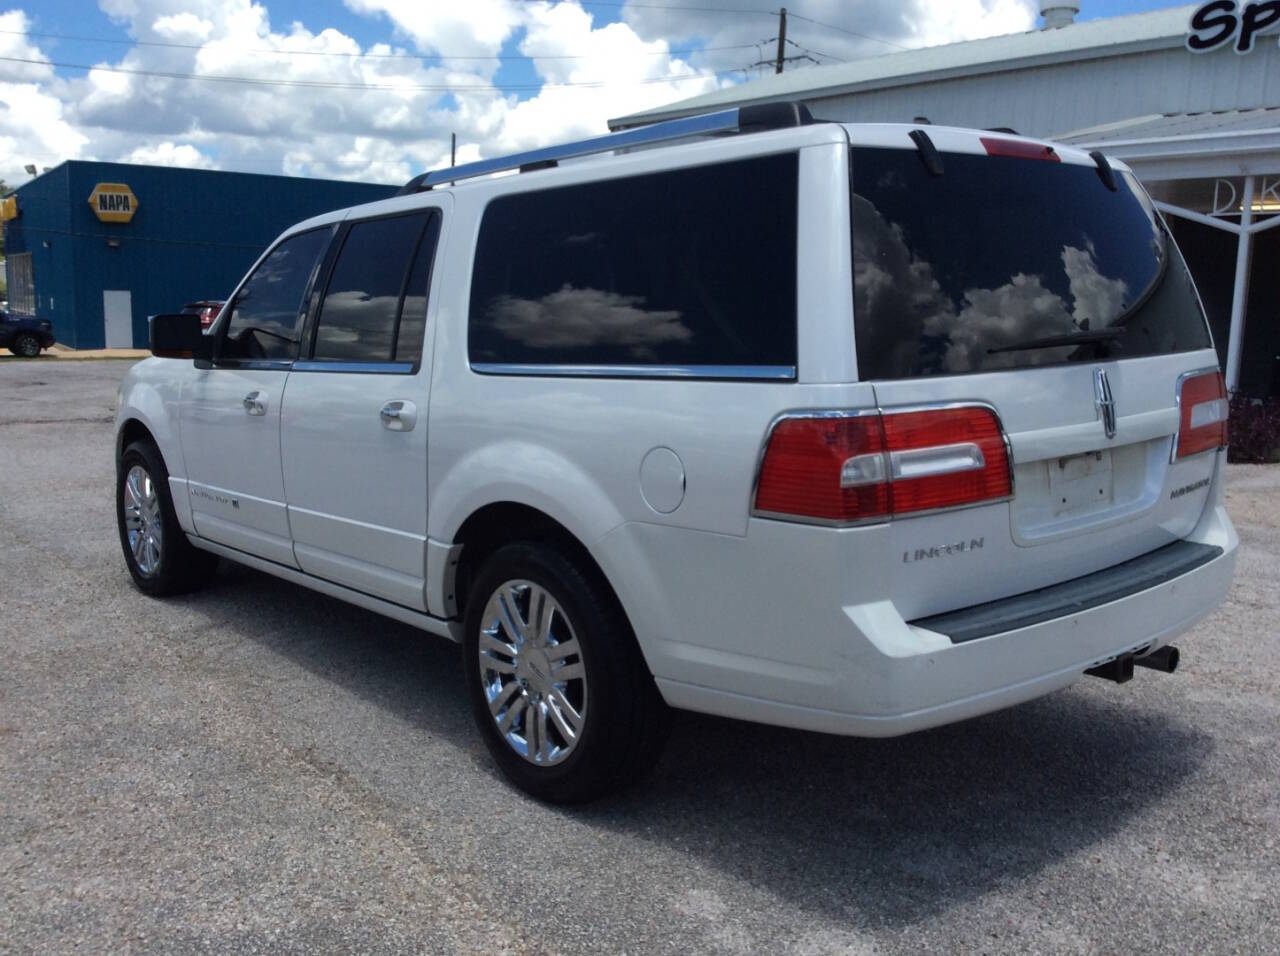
(851, 467)
(1020, 149)
(1202, 402)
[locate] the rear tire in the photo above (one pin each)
(156, 550)
(25, 344)
(558, 687)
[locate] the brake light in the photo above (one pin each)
(847, 468)
(1018, 149)
(1202, 401)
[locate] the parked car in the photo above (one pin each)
(859, 429)
(25, 335)
(207, 309)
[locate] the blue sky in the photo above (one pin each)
(371, 89)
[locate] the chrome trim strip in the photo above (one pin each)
(367, 368)
(426, 622)
(1177, 395)
(261, 365)
(720, 122)
(1104, 401)
(770, 373)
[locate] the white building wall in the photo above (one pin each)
(1063, 97)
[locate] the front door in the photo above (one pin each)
(354, 428)
(230, 416)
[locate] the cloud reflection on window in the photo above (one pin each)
(925, 328)
(579, 318)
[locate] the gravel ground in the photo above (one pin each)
(258, 768)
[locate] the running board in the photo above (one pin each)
(425, 622)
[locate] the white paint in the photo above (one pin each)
(772, 620)
(117, 318)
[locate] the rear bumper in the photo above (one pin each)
(883, 676)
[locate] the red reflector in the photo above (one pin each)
(1018, 149)
(846, 469)
(1202, 401)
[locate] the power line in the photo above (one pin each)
(670, 6)
(334, 85)
(852, 33)
(805, 49)
(385, 56)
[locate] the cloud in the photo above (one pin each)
(33, 124)
(575, 318)
(845, 29)
(310, 119)
(170, 154)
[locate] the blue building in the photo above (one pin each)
(98, 247)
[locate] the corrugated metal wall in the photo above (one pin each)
(193, 237)
(1061, 98)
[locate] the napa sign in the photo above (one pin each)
(1222, 22)
(113, 202)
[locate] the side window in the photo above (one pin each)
(413, 316)
(266, 319)
(684, 268)
(373, 304)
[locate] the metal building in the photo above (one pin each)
(1187, 96)
(97, 247)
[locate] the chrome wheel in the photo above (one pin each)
(142, 520)
(532, 673)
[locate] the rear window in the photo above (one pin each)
(972, 270)
(695, 267)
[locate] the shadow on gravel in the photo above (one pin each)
(887, 832)
(892, 832)
(415, 675)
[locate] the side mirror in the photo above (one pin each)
(180, 337)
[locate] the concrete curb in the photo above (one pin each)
(80, 355)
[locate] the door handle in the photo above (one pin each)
(399, 416)
(255, 403)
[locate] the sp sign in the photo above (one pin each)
(1223, 22)
(113, 202)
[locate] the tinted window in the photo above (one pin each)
(692, 267)
(267, 316)
(413, 315)
(966, 271)
(362, 302)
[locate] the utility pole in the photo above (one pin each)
(453, 149)
(782, 39)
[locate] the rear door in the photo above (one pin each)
(354, 428)
(1020, 279)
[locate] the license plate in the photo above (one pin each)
(1081, 483)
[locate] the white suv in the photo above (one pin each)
(859, 429)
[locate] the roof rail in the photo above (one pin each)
(745, 119)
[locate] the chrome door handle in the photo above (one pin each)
(399, 416)
(255, 403)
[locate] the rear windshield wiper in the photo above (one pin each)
(1060, 341)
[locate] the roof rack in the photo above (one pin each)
(745, 119)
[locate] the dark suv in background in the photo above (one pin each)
(25, 335)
